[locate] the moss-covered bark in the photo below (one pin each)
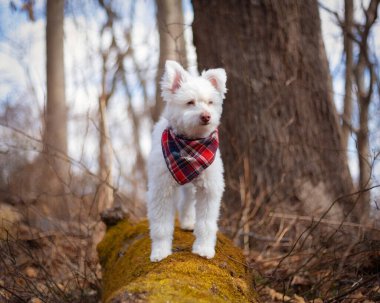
(129, 276)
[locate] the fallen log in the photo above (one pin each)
(129, 276)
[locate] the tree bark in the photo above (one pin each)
(170, 25)
(55, 134)
(129, 276)
(105, 196)
(105, 193)
(279, 116)
(348, 49)
(364, 158)
(56, 112)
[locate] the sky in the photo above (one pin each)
(22, 72)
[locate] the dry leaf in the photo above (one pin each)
(357, 295)
(376, 288)
(4, 295)
(298, 299)
(275, 295)
(31, 272)
(300, 280)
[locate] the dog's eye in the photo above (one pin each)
(210, 102)
(191, 102)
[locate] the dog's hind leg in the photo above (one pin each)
(186, 206)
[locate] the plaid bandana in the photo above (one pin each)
(186, 158)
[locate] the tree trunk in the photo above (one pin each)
(55, 135)
(364, 158)
(129, 276)
(279, 117)
(348, 49)
(105, 190)
(105, 196)
(172, 43)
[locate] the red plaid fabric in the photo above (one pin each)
(186, 158)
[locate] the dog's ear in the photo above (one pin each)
(218, 78)
(173, 78)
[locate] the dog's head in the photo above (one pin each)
(193, 104)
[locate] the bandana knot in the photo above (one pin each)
(187, 158)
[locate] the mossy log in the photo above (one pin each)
(129, 276)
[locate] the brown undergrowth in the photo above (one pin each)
(320, 262)
(41, 266)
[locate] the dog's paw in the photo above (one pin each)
(187, 225)
(159, 254)
(204, 251)
(187, 221)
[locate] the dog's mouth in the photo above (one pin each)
(205, 123)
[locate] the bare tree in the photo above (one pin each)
(105, 194)
(280, 133)
(360, 74)
(348, 50)
(114, 73)
(364, 66)
(55, 134)
(105, 160)
(172, 42)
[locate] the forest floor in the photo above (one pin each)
(62, 266)
(40, 266)
(328, 279)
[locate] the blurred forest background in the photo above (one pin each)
(300, 136)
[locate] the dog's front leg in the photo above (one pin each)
(161, 210)
(207, 213)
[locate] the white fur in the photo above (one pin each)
(198, 202)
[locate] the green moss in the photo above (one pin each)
(182, 277)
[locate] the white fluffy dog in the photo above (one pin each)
(185, 170)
